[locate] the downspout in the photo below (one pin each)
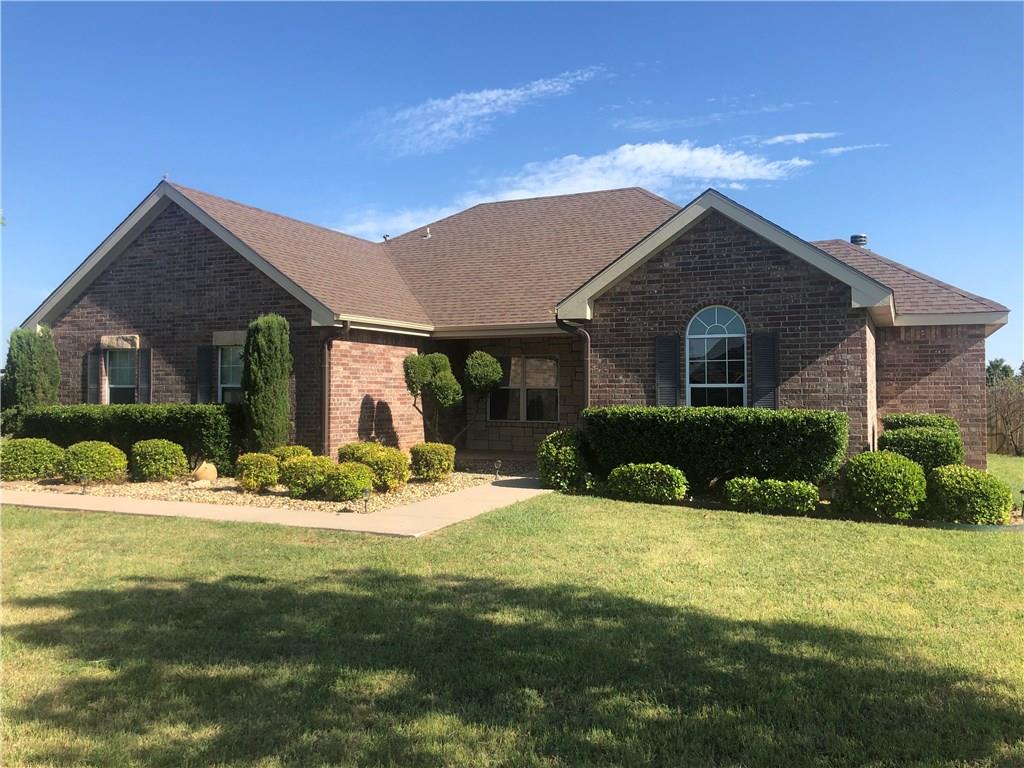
(580, 331)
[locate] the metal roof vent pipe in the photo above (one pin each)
(427, 236)
(861, 240)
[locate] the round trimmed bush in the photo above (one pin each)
(284, 452)
(962, 494)
(929, 446)
(772, 497)
(881, 484)
(347, 481)
(157, 459)
(654, 483)
(29, 458)
(483, 371)
(256, 471)
(905, 420)
(93, 461)
(390, 466)
(560, 462)
(305, 475)
(432, 461)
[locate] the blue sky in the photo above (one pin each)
(901, 121)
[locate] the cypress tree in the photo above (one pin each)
(32, 371)
(267, 368)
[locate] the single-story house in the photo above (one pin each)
(618, 296)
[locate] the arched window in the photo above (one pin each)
(716, 358)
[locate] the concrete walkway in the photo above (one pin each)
(410, 520)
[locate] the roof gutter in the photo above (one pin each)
(580, 331)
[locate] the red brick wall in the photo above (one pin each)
(823, 343)
(936, 369)
(174, 287)
(369, 400)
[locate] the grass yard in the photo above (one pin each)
(559, 632)
(1009, 469)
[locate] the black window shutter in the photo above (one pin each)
(204, 374)
(92, 376)
(145, 379)
(666, 369)
(765, 358)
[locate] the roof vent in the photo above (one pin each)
(428, 235)
(861, 240)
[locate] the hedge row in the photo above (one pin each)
(713, 444)
(209, 432)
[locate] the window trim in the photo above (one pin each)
(522, 393)
(746, 345)
(220, 386)
(106, 374)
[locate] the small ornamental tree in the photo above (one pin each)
(32, 372)
(430, 377)
(267, 367)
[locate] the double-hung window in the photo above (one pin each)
(716, 358)
(122, 376)
(528, 390)
(229, 374)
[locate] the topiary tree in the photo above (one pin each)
(32, 372)
(267, 367)
(430, 376)
(483, 372)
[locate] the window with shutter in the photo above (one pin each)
(716, 358)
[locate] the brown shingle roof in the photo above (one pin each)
(512, 262)
(508, 262)
(913, 292)
(346, 274)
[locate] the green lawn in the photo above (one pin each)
(558, 632)
(1009, 469)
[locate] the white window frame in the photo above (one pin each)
(106, 371)
(220, 385)
(705, 336)
(522, 393)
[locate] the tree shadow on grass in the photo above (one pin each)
(371, 667)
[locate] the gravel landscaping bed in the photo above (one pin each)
(226, 491)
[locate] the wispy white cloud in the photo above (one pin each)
(852, 148)
(648, 124)
(661, 166)
(798, 138)
(437, 124)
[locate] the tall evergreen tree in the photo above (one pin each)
(32, 371)
(267, 368)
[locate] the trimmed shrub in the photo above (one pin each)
(93, 461)
(347, 481)
(11, 420)
(305, 475)
(29, 458)
(881, 484)
(267, 368)
(713, 444)
(390, 466)
(256, 471)
(772, 497)
(653, 483)
(208, 432)
(284, 452)
(961, 494)
(483, 372)
(158, 459)
(420, 370)
(560, 462)
(929, 446)
(432, 461)
(904, 420)
(32, 371)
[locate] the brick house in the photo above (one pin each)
(598, 298)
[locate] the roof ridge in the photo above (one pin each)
(183, 188)
(564, 194)
(918, 274)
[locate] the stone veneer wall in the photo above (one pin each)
(175, 286)
(823, 343)
(936, 369)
